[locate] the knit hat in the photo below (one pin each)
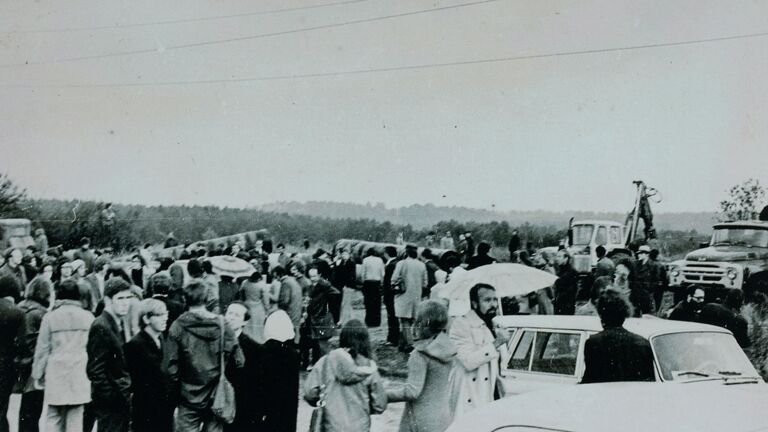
(278, 326)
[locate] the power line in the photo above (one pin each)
(395, 68)
(243, 38)
(181, 21)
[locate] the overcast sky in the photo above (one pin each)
(558, 132)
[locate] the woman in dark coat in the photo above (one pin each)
(152, 409)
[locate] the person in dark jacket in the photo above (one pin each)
(12, 342)
(106, 368)
(565, 285)
(280, 372)
(247, 382)
(13, 268)
(727, 315)
(616, 354)
(393, 325)
(690, 308)
(152, 408)
(193, 359)
(345, 280)
(482, 258)
(514, 244)
(35, 305)
(319, 320)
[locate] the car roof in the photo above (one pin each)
(700, 407)
(646, 327)
(743, 224)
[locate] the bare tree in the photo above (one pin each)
(744, 201)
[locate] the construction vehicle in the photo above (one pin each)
(584, 236)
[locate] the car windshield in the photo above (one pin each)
(582, 234)
(689, 356)
(740, 237)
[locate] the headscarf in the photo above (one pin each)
(278, 326)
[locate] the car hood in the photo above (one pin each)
(728, 253)
(535, 410)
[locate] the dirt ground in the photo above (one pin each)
(387, 357)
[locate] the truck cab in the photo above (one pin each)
(737, 252)
(588, 235)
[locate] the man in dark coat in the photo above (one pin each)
(482, 258)
(106, 368)
(247, 381)
(727, 315)
(565, 285)
(319, 321)
(393, 326)
(152, 407)
(12, 343)
(616, 354)
(514, 244)
(13, 268)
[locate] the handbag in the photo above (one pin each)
(318, 413)
(224, 398)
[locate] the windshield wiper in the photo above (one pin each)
(697, 373)
(729, 373)
(722, 244)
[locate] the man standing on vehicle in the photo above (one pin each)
(616, 354)
(478, 345)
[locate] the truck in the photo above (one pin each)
(16, 233)
(735, 257)
(584, 236)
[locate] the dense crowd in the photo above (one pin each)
(181, 346)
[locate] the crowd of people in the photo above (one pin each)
(131, 346)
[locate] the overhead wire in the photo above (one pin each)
(249, 37)
(184, 20)
(396, 68)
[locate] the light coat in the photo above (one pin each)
(476, 369)
(411, 275)
(60, 354)
(426, 393)
(354, 391)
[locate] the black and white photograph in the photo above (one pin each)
(383, 216)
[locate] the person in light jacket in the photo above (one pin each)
(426, 391)
(61, 359)
(410, 276)
(478, 346)
(350, 381)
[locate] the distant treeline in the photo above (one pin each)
(66, 222)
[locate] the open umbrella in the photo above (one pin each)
(225, 265)
(509, 279)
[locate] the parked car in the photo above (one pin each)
(548, 350)
(627, 407)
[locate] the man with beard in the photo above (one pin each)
(478, 345)
(690, 308)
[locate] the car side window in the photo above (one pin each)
(601, 238)
(521, 358)
(555, 353)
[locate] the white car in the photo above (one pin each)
(626, 407)
(548, 350)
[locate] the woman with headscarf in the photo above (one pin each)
(280, 383)
(426, 392)
(349, 381)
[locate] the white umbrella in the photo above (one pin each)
(225, 265)
(510, 280)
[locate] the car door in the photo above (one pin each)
(542, 358)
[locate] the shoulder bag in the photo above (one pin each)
(224, 398)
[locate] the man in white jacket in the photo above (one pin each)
(479, 346)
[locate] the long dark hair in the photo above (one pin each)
(354, 336)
